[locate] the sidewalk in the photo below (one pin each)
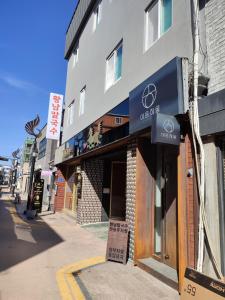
(54, 241)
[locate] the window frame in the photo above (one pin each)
(159, 34)
(42, 148)
(75, 55)
(70, 113)
(118, 120)
(97, 16)
(81, 103)
(114, 55)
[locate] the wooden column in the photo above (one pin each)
(145, 168)
(182, 221)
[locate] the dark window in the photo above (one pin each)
(42, 148)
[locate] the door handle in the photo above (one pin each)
(166, 256)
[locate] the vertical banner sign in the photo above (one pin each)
(54, 116)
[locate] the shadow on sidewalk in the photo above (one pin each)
(21, 239)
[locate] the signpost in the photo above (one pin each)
(117, 241)
(38, 194)
(197, 286)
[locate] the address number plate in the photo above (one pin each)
(197, 286)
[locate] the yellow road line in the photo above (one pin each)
(74, 287)
(63, 286)
(16, 218)
(69, 288)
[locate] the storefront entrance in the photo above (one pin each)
(156, 240)
(114, 186)
(118, 191)
(165, 208)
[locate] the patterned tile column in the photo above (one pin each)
(130, 193)
(90, 205)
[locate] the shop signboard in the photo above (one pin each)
(54, 116)
(46, 173)
(117, 241)
(165, 130)
(198, 286)
(163, 92)
(103, 131)
(38, 194)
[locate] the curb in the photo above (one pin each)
(68, 286)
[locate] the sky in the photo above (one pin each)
(32, 64)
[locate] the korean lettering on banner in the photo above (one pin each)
(117, 241)
(54, 116)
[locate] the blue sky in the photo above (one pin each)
(32, 64)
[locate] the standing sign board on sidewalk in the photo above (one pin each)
(38, 195)
(54, 116)
(117, 241)
(198, 286)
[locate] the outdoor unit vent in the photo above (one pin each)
(202, 85)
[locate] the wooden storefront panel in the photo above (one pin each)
(144, 196)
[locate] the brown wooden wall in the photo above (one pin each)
(69, 188)
(144, 195)
(187, 209)
(59, 197)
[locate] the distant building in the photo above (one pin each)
(5, 173)
(25, 165)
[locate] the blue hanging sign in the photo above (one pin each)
(165, 130)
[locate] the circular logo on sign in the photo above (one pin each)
(149, 95)
(168, 126)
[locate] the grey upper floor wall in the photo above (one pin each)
(75, 27)
(121, 20)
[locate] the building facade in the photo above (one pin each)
(44, 168)
(25, 165)
(127, 151)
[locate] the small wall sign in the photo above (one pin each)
(198, 286)
(165, 130)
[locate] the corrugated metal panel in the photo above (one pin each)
(80, 14)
